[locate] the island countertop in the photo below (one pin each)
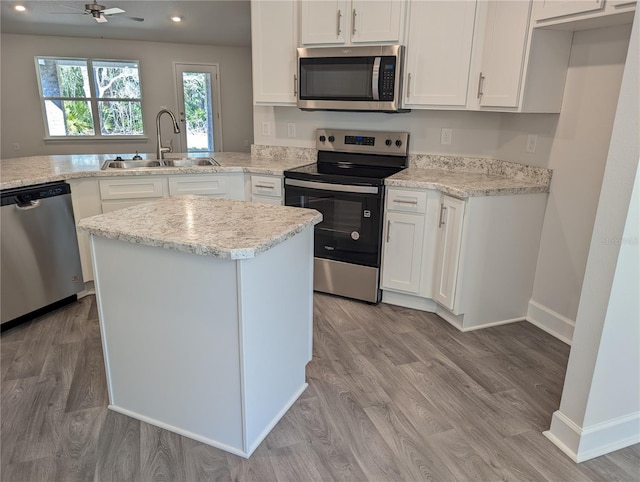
(203, 225)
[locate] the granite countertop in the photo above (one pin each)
(463, 184)
(458, 176)
(27, 171)
(203, 225)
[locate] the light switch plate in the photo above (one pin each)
(266, 128)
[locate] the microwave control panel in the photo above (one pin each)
(387, 78)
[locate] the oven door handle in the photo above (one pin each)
(325, 186)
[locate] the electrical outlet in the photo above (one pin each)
(532, 140)
(445, 136)
(266, 128)
(245, 143)
(291, 129)
(16, 146)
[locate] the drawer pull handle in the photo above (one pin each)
(400, 201)
(388, 230)
(338, 30)
(264, 186)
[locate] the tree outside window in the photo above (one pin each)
(79, 94)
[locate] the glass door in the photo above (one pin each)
(198, 104)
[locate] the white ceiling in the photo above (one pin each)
(219, 22)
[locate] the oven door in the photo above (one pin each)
(351, 227)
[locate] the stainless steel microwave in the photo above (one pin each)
(359, 78)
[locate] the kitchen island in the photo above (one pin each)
(205, 310)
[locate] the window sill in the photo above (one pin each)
(81, 139)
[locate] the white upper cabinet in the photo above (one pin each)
(514, 67)
(273, 49)
(582, 14)
(351, 21)
(503, 54)
(547, 9)
(439, 41)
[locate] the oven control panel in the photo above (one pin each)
(370, 142)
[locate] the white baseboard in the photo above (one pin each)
(180, 431)
(408, 301)
(555, 324)
(582, 444)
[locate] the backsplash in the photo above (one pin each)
(493, 167)
(285, 152)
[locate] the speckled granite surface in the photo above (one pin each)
(492, 167)
(27, 171)
(462, 184)
(459, 176)
(203, 225)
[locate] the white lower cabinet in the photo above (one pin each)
(85, 198)
(266, 189)
(123, 192)
(470, 261)
(407, 260)
(448, 251)
(403, 252)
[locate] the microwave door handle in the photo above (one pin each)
(375, 78)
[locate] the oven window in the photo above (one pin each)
(351, 224)
(337, 78)
(345, 216)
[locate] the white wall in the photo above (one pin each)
(475, 134)
(21, 117)
(600, 407)
(578, 157)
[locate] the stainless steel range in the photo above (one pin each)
(346, 185)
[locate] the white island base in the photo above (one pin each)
(210, 348)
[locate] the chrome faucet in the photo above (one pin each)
(160, 149)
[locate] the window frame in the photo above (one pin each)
(93, 101)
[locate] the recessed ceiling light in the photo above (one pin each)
(176, 19)
(20, 8)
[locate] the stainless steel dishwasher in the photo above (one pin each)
(40, 262)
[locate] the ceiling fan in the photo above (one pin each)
(99, 12)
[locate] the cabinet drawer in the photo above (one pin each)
(266, 200)
(406, 201)
(206, 185)
(145, 187)
(266, 186)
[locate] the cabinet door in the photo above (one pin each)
(376, 20)
(404, 234)
(273, 39)
(547, 9)
(213, 185)
(503, 54)
(439, 52)
(323, 22)
(448, 257)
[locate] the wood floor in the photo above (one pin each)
(394, 394)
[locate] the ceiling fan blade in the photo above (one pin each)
(101, 19)
(72, 8)
(112, 11)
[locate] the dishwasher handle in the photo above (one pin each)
(27, 204)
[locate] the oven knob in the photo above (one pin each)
(388, 142)
(331, 138)
(323, 138)
(398, 143)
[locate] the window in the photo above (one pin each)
(90, 97)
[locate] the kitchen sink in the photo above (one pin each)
(120, 163)
(191, 161)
